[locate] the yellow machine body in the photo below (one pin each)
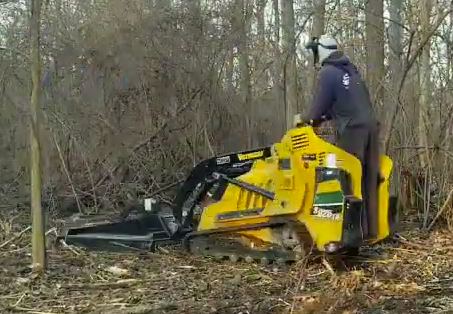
(290, 174)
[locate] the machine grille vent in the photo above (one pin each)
(299, 141)
(249, 199)
(321, 157)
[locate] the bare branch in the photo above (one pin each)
(410, 60)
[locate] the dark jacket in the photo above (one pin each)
(342, 95)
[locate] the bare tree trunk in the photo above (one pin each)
(261, 78)
(277, 70)
(375, 50)
(396, 51)
(425, 74)
(395, 68)
(38, 240)
(229, 70)
(290, 74)
(450, 50)
(261, 26)
(243, 18)
(395, 43)
(319, 9)
(350, 32)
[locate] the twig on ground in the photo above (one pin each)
(116, 284)
(449, 310)
(54, 230)
(10, 296)
(317, 274)
(17, 236)
(69, 247)
(15, 250)
(442, 209)
(19, 300)
(415, 245)
(113, 304)
(32, 311)
(284, 302)
(415, 252)
(328, 266)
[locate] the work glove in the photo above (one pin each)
(314, 122)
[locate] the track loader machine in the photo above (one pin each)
(270, 205)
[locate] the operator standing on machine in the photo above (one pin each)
(343, 97)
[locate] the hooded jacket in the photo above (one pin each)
(342, 95)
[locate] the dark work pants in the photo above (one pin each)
(363, 142)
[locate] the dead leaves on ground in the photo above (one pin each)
(417, 270)
(81, 282)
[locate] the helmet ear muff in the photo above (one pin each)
(313, 44)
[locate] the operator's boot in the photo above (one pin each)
(353, 222)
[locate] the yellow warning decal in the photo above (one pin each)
(253, 155)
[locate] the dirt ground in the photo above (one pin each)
(411, 277)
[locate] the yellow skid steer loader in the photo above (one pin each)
(271, 204)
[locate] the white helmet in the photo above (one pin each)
(322, 47)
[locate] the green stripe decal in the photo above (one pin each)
(329, 198)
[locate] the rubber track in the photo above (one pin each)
(229, 249)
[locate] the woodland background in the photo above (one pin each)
(137, 92)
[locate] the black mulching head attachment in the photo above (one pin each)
(142, 232)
